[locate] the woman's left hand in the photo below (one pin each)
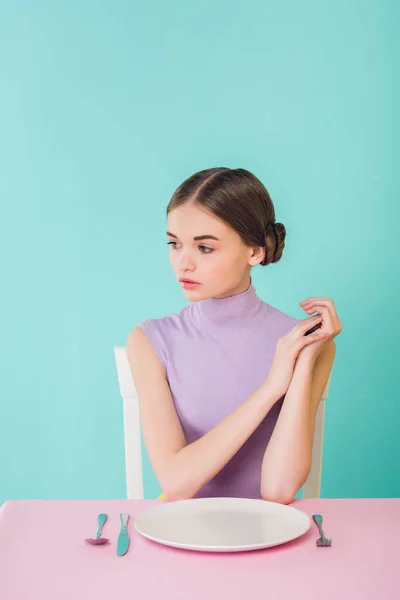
(331, 324)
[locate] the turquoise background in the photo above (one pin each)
(105, 108)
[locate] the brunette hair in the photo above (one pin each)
(238, 198)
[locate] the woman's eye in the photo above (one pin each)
(207, 249)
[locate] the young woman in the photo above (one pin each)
(229, 386)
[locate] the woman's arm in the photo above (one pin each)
(183, 469)
(287, 459)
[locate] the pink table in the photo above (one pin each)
(43, 556)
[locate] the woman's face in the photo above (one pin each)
(219, 264)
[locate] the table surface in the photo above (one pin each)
(43, 556)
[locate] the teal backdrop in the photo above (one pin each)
(105, 108)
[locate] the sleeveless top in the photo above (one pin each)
(216, 352)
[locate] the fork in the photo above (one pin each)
(321, 541)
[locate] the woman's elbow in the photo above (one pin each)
(178, 492)
(276, 496)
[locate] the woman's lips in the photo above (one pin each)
(188, 285)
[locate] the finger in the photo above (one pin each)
(319, 302)
(313, 299)
(327, 308)
(322, 308)
(314, 337)
(317, 336)
(329, 313)
(305, 325)
(328, 321)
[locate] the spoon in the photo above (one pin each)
(101, 519)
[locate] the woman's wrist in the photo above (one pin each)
(306, 360)
(271, 391)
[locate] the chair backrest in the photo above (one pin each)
(132, 434)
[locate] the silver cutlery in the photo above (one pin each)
(101, 519)
(123, 538)
(321, 541)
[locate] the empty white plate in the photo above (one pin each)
(222, 524)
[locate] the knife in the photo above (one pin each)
(123, 538)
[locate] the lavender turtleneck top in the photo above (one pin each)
(216, 352)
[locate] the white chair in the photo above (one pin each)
(132, 434)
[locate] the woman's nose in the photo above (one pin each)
(186, 261)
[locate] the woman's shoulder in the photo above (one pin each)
(165, 321)
(280, 319)
(162, 331)
(164, 328)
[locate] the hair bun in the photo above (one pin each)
(274, 247)
(270, 227)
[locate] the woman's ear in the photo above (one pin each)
(257, 255)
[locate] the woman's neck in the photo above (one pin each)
(240, 307)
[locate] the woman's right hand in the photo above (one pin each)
(287, 350)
